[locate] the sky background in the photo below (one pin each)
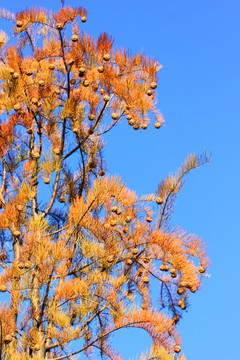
(197, 42)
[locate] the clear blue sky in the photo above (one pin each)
(197, 42)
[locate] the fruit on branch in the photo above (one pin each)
(106, 57)
(153, 85)
(74, 38)
(159, 200)
(201, 269)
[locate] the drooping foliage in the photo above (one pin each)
(80, 253)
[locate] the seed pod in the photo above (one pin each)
(106, 98)
(8, 338)
(17, 107)
(75, 130)
(51, 66)
(3, 257)
(70, 62)
(128, 219)
(129, 117)
(114, 116)
(131, 122)
(145, 279)
(134, 251)
(100, 69)
(3, 288)
(106, 57)
(153, 85)
(135, 126)
(29, 72)
(56, 150)
(102, 91)
(180, 291)
(34, 101)
(41, 83)
(59, 26)
(19, 23)
(201, 269)
(149, 92)
(159, 200)
(114, 209)
(83, 19)
(119, 211)
(129, 262)
(146, 260)
(149, 219)
(110, 258)
(61, 199)
(85, 83)
(101, 172)
(177, 349)
(46, 180)
(157, 125)
(91, 117)
(35, 154)
(74, 38)
(81, 71)
(144, 126)
(16, 233)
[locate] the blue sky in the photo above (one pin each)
(197, 42)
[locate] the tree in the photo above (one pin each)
(78, 259)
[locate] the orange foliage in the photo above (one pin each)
(79, 260)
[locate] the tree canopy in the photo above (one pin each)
(80, 252)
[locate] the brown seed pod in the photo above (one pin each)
(139, 272)
(30, 131)
(145, 279)
(81, 71)
(148, 219)
(146, 259)
(34, 101)
(62, 199)
(114, 116)
(59, 26)
(56, 150)
(131, 122)
(101, 172)
(135, 126)
(128, 219)
(153, 85)
(19, 23)
(129, 262)
(102, 91)
(85, 83)
(46, 180)
(106, 57)
(35, 154)
(90, 131)
(144, 126)
(177, 349)
(51, 66)
(16, 233)
(193, 289)
(75, 130)
(134, 251)
(119, 211)
(144, 306)
(21, 265)
(41, 83)
(159, 200)
(3, 288)
(100, 69)
(176, 319)
(114, 209)
(180, 291)
(201, 269)
(3, 257)
(57, 91)
(91, 117)
(17, 107)
(149, 92)
(110, 258)
(83, 19)
(29, 72)
(129, 117)
(157, 125)
(70, 62)
(8, 338)
(113, 223)
(125, 230)
(74, 38)
(106, 98)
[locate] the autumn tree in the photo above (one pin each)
(79, 250)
